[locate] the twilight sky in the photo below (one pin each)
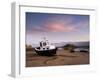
(56, 27)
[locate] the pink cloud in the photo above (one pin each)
(54, 27)
(59, 27)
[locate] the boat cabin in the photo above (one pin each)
(44, 45)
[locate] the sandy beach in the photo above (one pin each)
(63, 57)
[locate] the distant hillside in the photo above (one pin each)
(78, 44)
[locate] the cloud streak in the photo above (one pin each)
(60, 25)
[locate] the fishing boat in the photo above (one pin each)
(46, 49)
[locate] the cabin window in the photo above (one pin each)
(40, 44)
(43, 48)
(44, 44)
(47, 48)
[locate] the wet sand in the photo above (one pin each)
(63, 57)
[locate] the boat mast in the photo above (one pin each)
(44, 38)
